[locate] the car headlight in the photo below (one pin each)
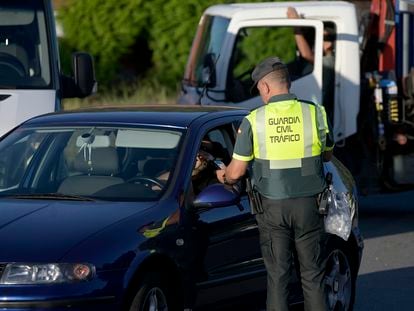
(30, 273)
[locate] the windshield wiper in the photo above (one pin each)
(49, 196)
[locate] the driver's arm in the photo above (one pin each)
(164, 176)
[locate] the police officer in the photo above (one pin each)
(287, 140)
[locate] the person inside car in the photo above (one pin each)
(203, 173)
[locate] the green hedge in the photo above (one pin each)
(109, 29)
(106, 29)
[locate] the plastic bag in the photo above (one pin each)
(338, 221)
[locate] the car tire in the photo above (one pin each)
(154, 293)
(340, 279)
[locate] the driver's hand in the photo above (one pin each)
(156, 188)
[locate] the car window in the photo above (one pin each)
(215, 146)
(223, 143)
(15, 161)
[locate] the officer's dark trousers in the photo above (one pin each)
(285, 225)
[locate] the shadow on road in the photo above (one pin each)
(387, 202)
(386, 214)
(386, 291)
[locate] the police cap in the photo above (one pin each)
(262, 69)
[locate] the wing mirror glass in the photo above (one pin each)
(84, 73)
(83, 82)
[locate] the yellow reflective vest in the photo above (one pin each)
(287, 139)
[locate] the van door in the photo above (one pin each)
(254, 40)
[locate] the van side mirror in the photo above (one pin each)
(84, 73)
(83, 82)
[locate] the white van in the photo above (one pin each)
(30, 79)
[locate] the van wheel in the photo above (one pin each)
(153, 294)
(339, 282)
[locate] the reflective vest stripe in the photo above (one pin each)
(252, 120)
(261, 132)
(283, 164)
(242, 158)
(323, 128)
(307, 130)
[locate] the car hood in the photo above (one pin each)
(44, 231)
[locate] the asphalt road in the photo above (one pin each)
(386, 277)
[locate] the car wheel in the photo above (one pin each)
(339, 281)
(153, 294)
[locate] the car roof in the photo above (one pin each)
(162, 115)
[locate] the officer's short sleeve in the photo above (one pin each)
(243, 150)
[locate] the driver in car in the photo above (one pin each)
(203, 173)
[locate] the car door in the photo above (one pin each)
(232, 262)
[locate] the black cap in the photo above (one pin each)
(265, 67)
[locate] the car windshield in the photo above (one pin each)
(206, 47)
(24, 54)
(104, 163)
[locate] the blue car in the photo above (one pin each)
(110, 209)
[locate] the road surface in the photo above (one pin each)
(386, 278)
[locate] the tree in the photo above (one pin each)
(106, 29)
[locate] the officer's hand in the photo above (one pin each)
(220, 175)
(292, 13)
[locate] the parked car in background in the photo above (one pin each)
(87, 223)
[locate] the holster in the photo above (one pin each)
(254, 198)
(324, 199)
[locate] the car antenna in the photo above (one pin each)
(208, 80)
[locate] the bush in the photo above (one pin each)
(110, 30)
(106, 29)
(173, 26)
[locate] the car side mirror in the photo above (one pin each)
(217, 195)
(83, 82)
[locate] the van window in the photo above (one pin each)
(254, 44)
(24, 53)
(206, 48)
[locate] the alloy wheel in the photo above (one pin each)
(155, 300)
(338, 282)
